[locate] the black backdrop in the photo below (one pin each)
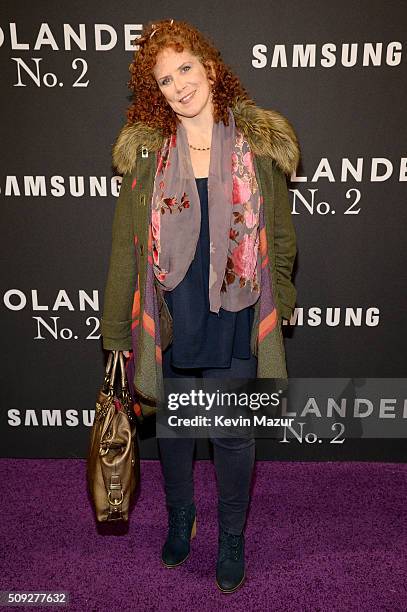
(336, 70)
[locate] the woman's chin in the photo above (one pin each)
(189, 113)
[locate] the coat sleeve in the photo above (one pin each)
(122, 275)
(285, 244)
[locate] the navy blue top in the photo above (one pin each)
(201, 338)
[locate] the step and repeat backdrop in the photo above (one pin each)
(336, 70)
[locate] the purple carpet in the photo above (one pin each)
(328, 537)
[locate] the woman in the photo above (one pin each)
(202, 254)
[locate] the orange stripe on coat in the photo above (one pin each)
(158, 354)
(148, 324)
(267, 325)
(136, 304)
(263, 242)
(150, 240)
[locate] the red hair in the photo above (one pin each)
(149, 105)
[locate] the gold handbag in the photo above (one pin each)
(113, 462)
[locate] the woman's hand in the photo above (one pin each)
(126, 354)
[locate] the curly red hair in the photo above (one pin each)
(149, 105)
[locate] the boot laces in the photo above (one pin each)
(230, 546)
(178, 522)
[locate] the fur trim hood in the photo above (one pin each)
(268, 132)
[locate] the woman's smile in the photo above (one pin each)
(187, 98)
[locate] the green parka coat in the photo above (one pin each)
(125, 323)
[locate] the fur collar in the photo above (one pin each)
(267, 131)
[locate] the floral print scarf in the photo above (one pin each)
(233, 207)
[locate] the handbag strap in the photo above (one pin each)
(110, 372)
(123, 377)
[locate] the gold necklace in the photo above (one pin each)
(198, 149)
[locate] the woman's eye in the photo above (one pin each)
(167, 80)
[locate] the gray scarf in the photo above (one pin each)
(233, 205)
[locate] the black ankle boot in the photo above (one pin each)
(230, 566)
(181, 529)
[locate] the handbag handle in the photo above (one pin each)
(125, 394)
(110, 373)
(116, 356)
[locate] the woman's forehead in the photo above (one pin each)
(170, 59)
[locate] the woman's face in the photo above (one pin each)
(183, 82)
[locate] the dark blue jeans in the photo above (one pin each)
(233, 457)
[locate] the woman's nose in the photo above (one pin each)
(178, 84)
